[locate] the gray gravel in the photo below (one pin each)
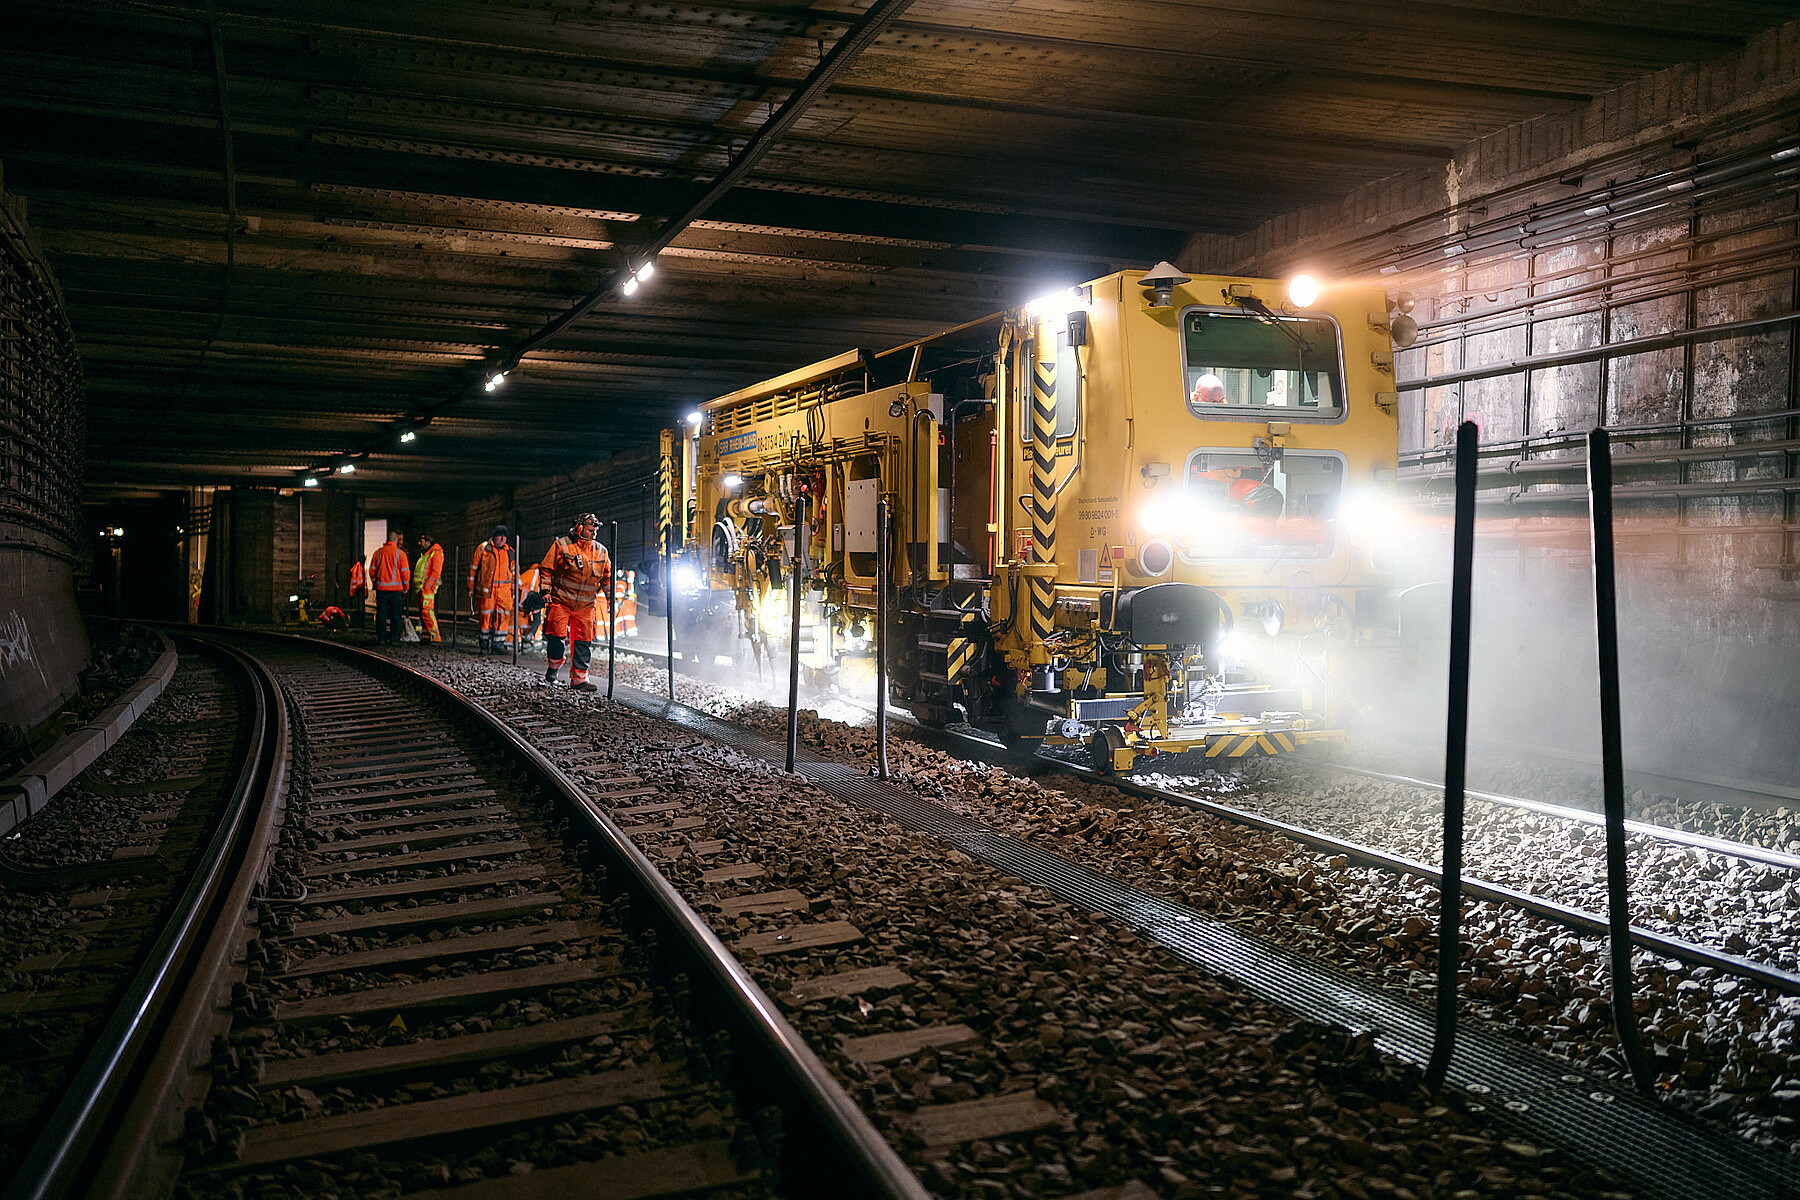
(1159, 1074)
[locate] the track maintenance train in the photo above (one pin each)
(1141, 515)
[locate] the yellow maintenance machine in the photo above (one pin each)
(1143, 514)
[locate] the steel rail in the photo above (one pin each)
(65, 1156)
(850, 1157)
(1680, 837)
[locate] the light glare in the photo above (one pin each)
(631, 286)
(311, 481)
(1303, 290)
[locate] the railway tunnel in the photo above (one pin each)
(281, 281)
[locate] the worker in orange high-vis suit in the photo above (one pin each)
(575, 568)
(531, 613)
(625, 599)
(491, 579)
(359, 593)
(428, 574)
(392, 575)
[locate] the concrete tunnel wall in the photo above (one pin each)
(43, 643)
(1631, 263)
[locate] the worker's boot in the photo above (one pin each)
(550, 676)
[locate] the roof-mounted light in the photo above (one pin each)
(1303, 291)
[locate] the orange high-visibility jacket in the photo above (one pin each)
(491, 567)
(389, 567)
(577, 572)
(358, 580)
(431, 568)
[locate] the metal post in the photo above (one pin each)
(1456, 753)
(796, 588)
(517, 546)
(612, 610)
(1606, 628)
(881, 624)
(668, 583)
(455, 594)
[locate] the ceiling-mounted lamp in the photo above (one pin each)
(646, 271)
(411, 435)
(498, 375)
(630, 286)
(310, 481)
(347, 469)
(1160, 282)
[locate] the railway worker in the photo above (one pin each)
(625, 599)
(575, 568)
(491, 580)
(1208, 389)
(359, 593)
(531, 605)
(392, 574)
(426, 578)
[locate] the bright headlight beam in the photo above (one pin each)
(1303, 291)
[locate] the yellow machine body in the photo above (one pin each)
(1151, 527)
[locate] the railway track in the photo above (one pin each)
(457, 969)
(1714, 959)
(91, 882)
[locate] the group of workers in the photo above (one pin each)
(561, 594)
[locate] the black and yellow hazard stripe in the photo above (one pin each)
(665, 520)
(957, 656)
(1240, 745)
(1043, 495)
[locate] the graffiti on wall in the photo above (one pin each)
(16, 649)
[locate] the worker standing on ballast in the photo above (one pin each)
(392, 575)
(429, 574)
(575, 569)
(625, 602)
(491, 579)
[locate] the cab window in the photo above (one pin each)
(1235, 503)
(1236, 362)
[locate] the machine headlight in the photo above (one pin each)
(1155, 519)
(1303, 291)
(687, 578)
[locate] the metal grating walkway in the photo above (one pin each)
(1658, 1151)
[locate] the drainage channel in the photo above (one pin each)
(1660, 1151)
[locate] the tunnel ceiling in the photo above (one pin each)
(286, 228)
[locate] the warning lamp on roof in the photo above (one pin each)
(1303, 291)
(1161, 281)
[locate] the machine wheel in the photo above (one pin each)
(1101, 745)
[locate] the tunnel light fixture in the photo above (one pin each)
(411, 435)
(631, 286)
(347, 469)
(310, 481)
(646, 271)
(495, 379)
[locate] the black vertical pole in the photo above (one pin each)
(881, 630)
(796, 589)
(668, 582)
(1456, 753)
(612, 611)
(517, 547)
(455, 595)
(1612, 767)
